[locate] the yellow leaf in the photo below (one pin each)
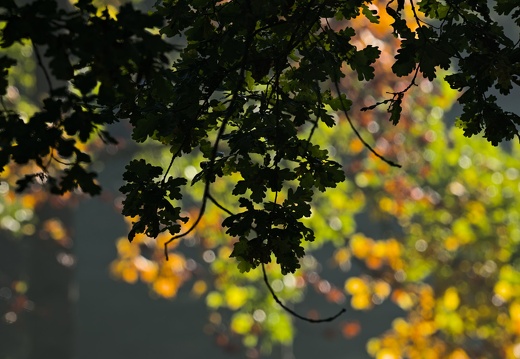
(148, 270)
(393, 248)
(28, 201)
(360, 245)
(55, 229)
(387, 354)
(361, 301)
(112, 11)
(382, 289)
(386, 204)
(224, 252)
(125, 249)
(129, 274)
(514, 311)
(458, 354)
(504, 290)
(242, 323)
(21, 287)
(214, 300)
(373, 346)
(451, 299)
(426, 328)
(167, 286)
(175, 264)
(451, 243)
(355, 285)
(356, 146)
(401, 327)
(342, 255)
(199, 288)
(236, 297)
(402, 299)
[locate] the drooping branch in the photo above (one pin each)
(214, 151)
(42, 67)
(396, 96)
(292, 312)
(365, 143)
(266, 281)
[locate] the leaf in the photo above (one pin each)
(395, 111)
(405, 59)
(361, 61)
(243, 266)
(5, 63)
(371, 15)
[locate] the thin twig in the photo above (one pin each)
(292, 312)
(53, 158)
(417, 19)
(44, 69)
(365, 143)
(214, 150)
(4, 107)
(345, 111)
(216, 203)
(412, 83)
(266, 280)
(171, 163)
(206, 187)
(315, 125)
(397, 95)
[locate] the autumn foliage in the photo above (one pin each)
(447, 254)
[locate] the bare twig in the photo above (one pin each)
(396, 95)
(171, 163)
(412, 83)
(345, 111)
(292, 312)
(419, 20)
(42, 66)
(216, 203)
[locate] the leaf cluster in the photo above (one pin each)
(465, 35)
(91, 63)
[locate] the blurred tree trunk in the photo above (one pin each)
(51, 324)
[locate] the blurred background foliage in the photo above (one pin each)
(439, 238)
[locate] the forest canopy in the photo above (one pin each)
(245, 83)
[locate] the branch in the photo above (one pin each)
(396, 95)
(418, 20)
(4, 107)
(214, 150)
(266, 280)
(345, 111)
(206, 194)
(216, 203)
(44, 69)
(292, 312)
(171, 163)
(315, 125)
(412, 83)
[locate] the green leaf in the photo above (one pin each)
(361, 61)
(371, 15)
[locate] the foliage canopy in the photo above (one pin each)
(247, 85)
